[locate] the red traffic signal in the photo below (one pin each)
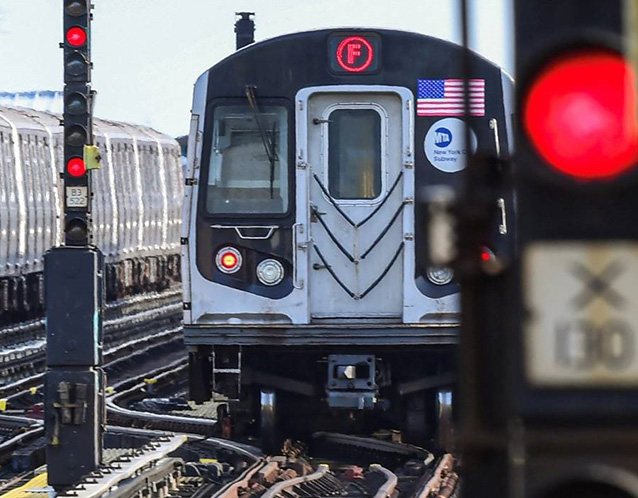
(76, 36)
(581, 114)
(76, 167)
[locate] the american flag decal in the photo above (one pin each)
(445, 97)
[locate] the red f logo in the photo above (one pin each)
(355, 54)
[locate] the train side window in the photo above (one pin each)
(248, 171)
(354, 155)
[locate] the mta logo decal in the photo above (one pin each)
(443, 137)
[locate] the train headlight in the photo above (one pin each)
(270, 272)
(440, 275)
(228, 260)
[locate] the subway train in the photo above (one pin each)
(136, 209)
(310, 302)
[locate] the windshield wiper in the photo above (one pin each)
(269, 145)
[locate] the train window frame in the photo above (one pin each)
(207, 142)
(383, 138)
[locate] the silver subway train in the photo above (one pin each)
(136, 209)
(310, 302)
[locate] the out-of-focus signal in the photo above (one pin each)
(580, 114)
(552, 402)
(574, 369)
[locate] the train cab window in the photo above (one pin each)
(354, 154)
(248, 171)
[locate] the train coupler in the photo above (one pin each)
(351, 382)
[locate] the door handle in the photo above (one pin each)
(314, 213)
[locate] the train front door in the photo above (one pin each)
(355, 144)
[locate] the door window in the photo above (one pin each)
(354, 154)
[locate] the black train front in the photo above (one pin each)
(308, 292)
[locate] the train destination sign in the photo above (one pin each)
(355, 53)
(583, 311)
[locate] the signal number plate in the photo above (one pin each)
(77, 197)
(581, 328)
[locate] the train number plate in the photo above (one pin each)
(581, 300)
(77, 197)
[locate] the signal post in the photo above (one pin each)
(74, 405)
(555, 413)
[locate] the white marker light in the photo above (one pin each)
(440, 275)
(270, 272)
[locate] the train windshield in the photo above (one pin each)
(248, 172)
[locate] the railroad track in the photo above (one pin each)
(154, 464)
(22, 395)
(297, 477)
(392, 469)
(167, 379)
(145, 358)
(186, 464)
(123, 320)
(164, 464)
(34, 330)
(407, 470)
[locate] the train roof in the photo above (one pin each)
(319, 36)
(25, 118)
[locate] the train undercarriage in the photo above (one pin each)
(270, 391)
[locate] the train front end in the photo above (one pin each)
(309, 300)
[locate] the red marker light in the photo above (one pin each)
(76, 36)
(76, 167)
(487, 254)
(228, 260)
(581, 114)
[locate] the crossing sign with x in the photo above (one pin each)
(581, 303)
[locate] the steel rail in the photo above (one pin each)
(111, 337)
(275, 490)
(434, 483)
(389, 486)
(113, 355)
(96, 485)
(142, 298)
(160, 419)
(128, 306)
(231, 490)
(20, 440)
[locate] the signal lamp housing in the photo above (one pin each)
(76, 135)
(76, 66)
(77, 230)
(228, 260)
(580, 113)
(75, 7)
(75, 103)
